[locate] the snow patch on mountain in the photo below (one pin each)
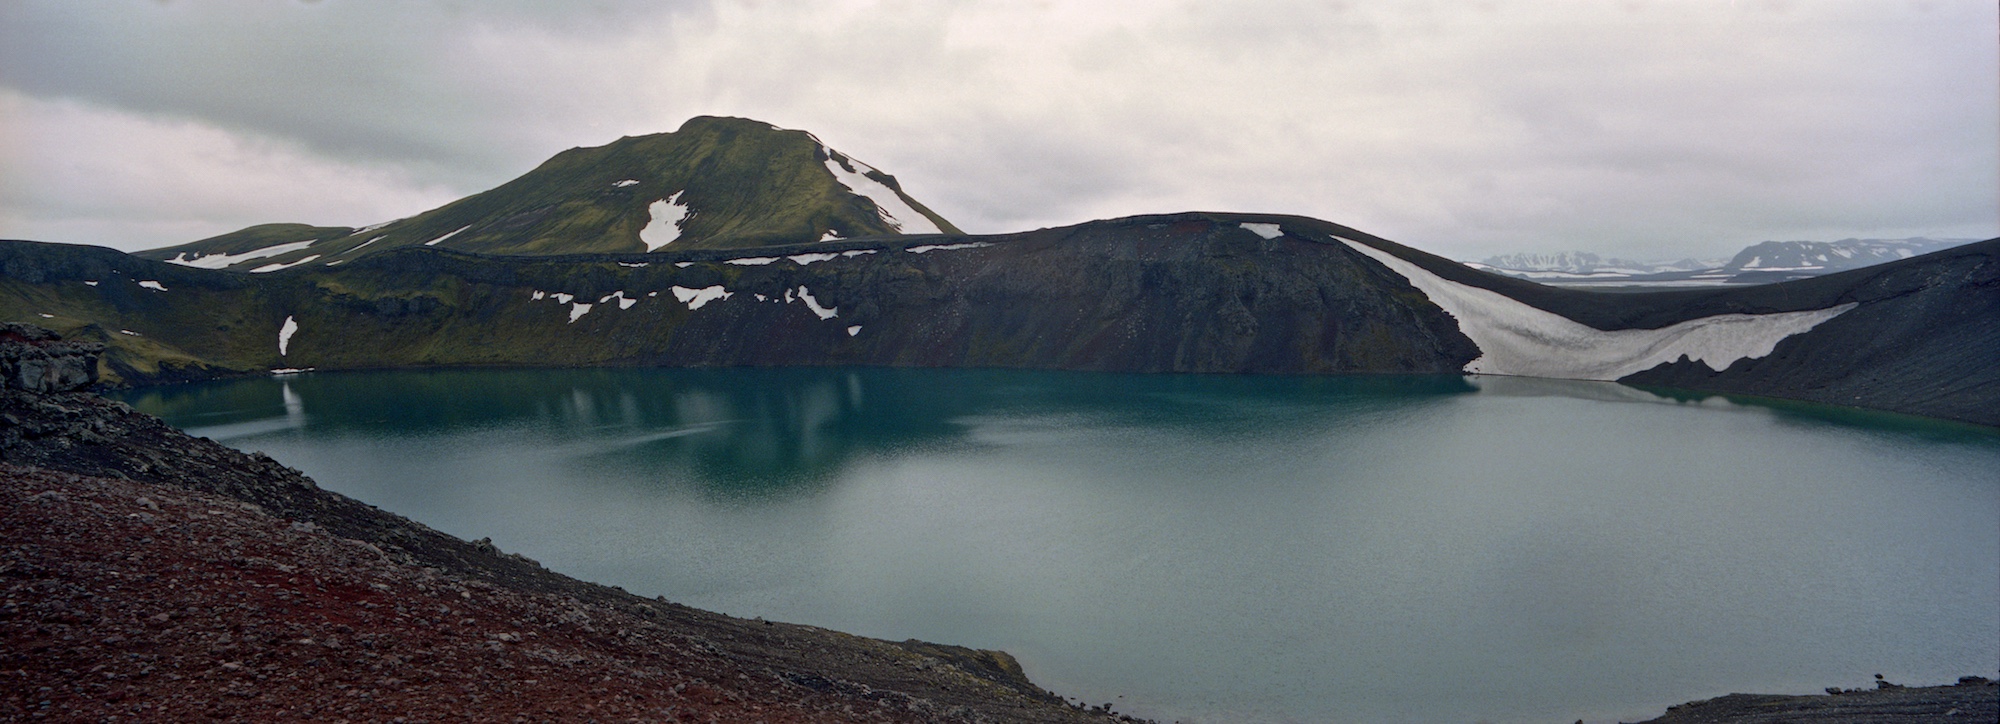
(897, 213)
(624, 302)
(804, 259)
(285, 333)
(1517, 339)
(1268, 231)
(695, 298)
(947, 247)
(434, 242)
(357, 247)
(665, 226)
(813, 304)
(281, 265)
(371, 227)
(218, 261)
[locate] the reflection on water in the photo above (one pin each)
(762, 429)
(1211, 548)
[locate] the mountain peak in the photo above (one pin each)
(716, 182)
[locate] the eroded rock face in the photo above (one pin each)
(36, 360)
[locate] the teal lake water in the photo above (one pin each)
(1210, 548)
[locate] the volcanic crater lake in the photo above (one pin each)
(1210, 548)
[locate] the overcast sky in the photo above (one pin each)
(1629, 127)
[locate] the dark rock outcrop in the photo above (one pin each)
(36, 360)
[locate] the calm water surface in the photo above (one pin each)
(1423, 549)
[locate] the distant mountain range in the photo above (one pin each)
(715, 183)
(731, 243)
(1761, 263)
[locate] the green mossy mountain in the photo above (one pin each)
(739, 183)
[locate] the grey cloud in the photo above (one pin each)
(1468, 128)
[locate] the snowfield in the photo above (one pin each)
(1518, 339)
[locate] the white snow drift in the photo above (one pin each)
(1518, 339)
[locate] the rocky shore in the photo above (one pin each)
(149, 576)
(1972, 699)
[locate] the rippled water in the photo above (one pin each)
(1210, 548)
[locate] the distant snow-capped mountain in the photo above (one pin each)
(1583, 267)
(1764, 262)
(1573, 262)
(1830, 256)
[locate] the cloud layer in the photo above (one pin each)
(1468, 128)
